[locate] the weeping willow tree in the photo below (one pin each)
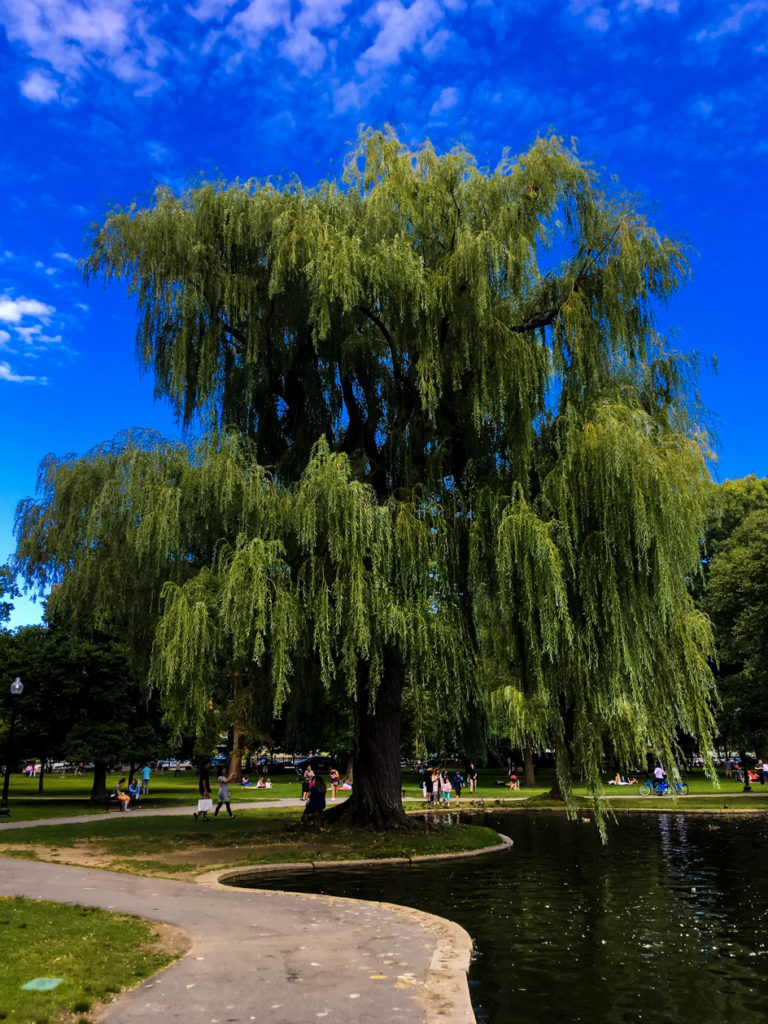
(481, 347)
(317, 572)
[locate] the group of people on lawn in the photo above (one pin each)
(437, 784)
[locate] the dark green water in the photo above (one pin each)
(668, 923)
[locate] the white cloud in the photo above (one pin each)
(740, 17)
(75, 36)
(347, 97)
(301, 47)
(12, 311)
(436, 44)
(400, 30)
(39, 88)
(4, 338)
(598, 19)
(304, 50)
(64, 257)
(448, 98)
(597, 14)
(29, 335)
(158, 153)
(210, 10)
(666, 6)
(258, 18)
(6, 373)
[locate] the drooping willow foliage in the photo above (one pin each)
(511, 482)
(244, 570)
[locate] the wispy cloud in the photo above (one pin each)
(6, 373)
(601, 15)
(447, 99)
(400, 30)
(741, 16)
(72, 37)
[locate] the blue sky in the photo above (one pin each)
(101, 99)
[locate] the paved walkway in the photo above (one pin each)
(271, 957)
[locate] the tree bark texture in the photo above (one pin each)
(376, 799)
(99, 788)
(529, 775)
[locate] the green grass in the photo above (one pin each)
(173, 845)
(70, 795)
(95, 953)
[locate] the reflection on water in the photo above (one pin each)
(668, 923)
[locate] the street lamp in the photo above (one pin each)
(17, 688)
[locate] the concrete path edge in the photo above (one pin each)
(446, 991)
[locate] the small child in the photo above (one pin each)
(446, 790)
(223, 796)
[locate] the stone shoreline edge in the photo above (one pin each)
(445, 995)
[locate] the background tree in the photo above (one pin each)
(481, 346)
(8, 590)
(737, 599)
(81, 702)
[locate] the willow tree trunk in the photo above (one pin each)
(376, 797)
(40, 782)
(99, 788)
(235, 771)
(529, 774)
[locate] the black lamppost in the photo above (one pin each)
(17, 688)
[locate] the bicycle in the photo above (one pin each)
(663, 787)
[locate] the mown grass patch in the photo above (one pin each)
(94, 952)
(173, 845)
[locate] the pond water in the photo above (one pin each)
(667, 923)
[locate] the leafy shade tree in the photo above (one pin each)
(481, 347)
(737, 599)
(81, 702)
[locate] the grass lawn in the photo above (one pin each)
(181, 846)
(64, 797)
(70, 795)
(95, 953)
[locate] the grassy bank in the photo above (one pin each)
(180, 846)
(93, 952)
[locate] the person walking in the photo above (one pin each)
(335, 783)
(436, 786)
(224, 781)
(472, 778)
(204, 789)
(146, 771)
(458, 782)
(428, 787)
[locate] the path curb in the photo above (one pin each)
(445, 993)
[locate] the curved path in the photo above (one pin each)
(270, 957)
